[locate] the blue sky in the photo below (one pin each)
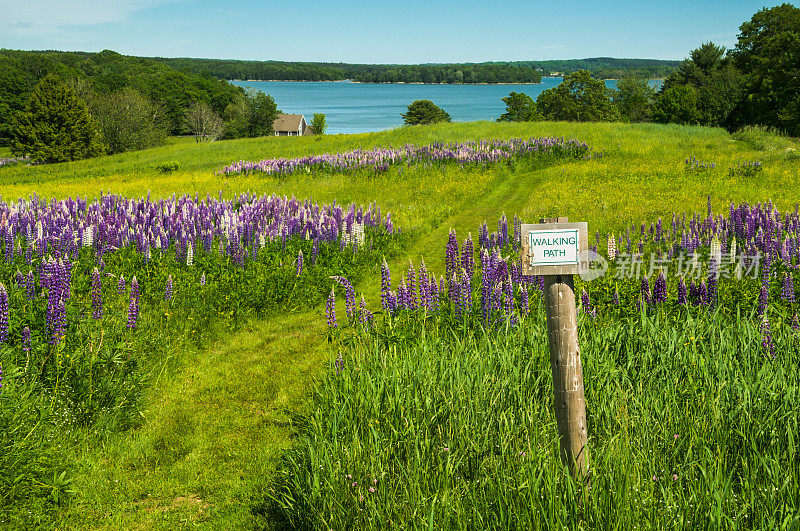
(410, 31)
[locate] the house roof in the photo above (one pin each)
(288, 122)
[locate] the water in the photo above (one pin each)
(364, 107)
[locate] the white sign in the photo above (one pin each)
(553, 247)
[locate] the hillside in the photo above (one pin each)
(220, 415)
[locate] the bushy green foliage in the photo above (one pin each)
(422, 112)
(55, 125)
(579, 98)
(250, 115)
(128, 121)
(678, 105)
(519, 108)
(634, 99)
(319, 123)
(768, 52)
(167, 167)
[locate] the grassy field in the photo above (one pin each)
(219, 418)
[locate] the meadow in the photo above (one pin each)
(449, 417)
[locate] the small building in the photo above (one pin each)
(291, 125)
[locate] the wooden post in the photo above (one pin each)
(565, 363)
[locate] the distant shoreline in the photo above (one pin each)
(378, 82)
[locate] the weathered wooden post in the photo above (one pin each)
(557, 250)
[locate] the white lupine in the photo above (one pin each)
(190, 255)
(88, 236)
(39, 230)
(716, 251)
(612, 247)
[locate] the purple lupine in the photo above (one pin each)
(524, 300)
(349, 297)
(468, 257)
(203, 279)
(386, 285)
(682, 298)
(787, 291)
(586, 303)
(660, 288)
(330, 309)
(339, 363)
(763, 300)
(314, 251)
(424, 287)
(644, 290)
(97, 295)
(59, 322)
(767, 343)
(411, 292)
(712, 290)
(30, 286)
(364, 316)
(796, 323)
(121, 285)
(451, 254)
(1, 378)
(133, 306)
(168, 289)
(615, 299)
(3, 314)
(299, 264)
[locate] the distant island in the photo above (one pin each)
(429, 73)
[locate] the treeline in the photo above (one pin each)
(294, 71)
(611, 68)
(132, 102)
(755, 83)
(488, 72)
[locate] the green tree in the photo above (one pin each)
(678, 105)
(203, 122)
(128, 121)
(519, 108)
(55, 125)
(263, 112)
(634, 99)
(768, 53)
(319, 123)
(579, 98)
(424, 112)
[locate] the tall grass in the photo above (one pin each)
(690, 425)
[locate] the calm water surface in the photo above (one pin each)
(364, 107)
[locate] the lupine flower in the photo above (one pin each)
(121, 285)
(586, 302)
(524, 301)
(612, 247)
(386, 285)
(660, 288)
(3, 314)
(796, 323)
(410, 287)
(682, 298)
(330, 309)
(1, 378)
(339, 363)
(644, 291)
(451, 254)
(203, 279)
(190, 255)
(30, 286)
(299, 264)
(168, 289)
(767, 343)
(787, 291)
(615, 299)
(763, 300)
(97, 295)
(349, 297)
(711, 290)
(133, 307)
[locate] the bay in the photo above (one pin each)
(366, 107)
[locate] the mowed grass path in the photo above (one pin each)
(218, 419)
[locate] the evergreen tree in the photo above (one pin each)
(55, 125)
